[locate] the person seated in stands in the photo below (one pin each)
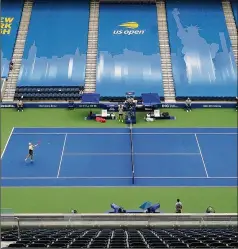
(188, 105)
(178, 206)
(11, 66)
(20, 105)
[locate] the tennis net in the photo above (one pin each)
(132, 157)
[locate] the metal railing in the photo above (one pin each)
(116, 220)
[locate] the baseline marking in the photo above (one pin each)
(112, 177)
(62, 154)
(124, 133)
(120, 186)
(5, 147)
(116, 128)
(200, 151)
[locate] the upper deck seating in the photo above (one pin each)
(128, 51)
(10, 20)
(203, 62)
(56, 44)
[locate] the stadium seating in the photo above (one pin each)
(10, 19)
(124, 238)
(56, 44)
(234, 5)
(128, 53)
(49, 93)
(203, 62)
(126, 62)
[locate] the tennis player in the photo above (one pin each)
(120, 110)
(31, 151)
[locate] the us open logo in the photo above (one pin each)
(129, 28)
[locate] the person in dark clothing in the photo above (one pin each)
(19, 105)
(236, 103)
(188, 105)
(11, 66)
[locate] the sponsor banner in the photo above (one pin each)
(114, 107)
(128, 51)
(203, 62)
(200, 105)
(49, 58)
(10, 19)
(108, 106)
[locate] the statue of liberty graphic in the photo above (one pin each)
(198, 54)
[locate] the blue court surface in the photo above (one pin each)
(102, 157)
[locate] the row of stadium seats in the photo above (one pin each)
(49, 93)
(125, 238)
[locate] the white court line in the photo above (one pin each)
(62, 154)
(11, 133)
(123, 133)
(116, 128)
(115, 186)
(109, 177)
(204, 165)
(128, 154)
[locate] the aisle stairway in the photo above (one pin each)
(166, 66)
(10, 86)
(231, 26)
(91, 63)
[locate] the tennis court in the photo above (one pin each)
(122, 157)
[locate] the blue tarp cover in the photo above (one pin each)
(90, 98)
(150, 99)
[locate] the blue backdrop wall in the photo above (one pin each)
(128, 52)
(55, 51)
(202, 58)
(234, 5)
(10, 19)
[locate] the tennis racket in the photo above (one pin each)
(38, 143)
